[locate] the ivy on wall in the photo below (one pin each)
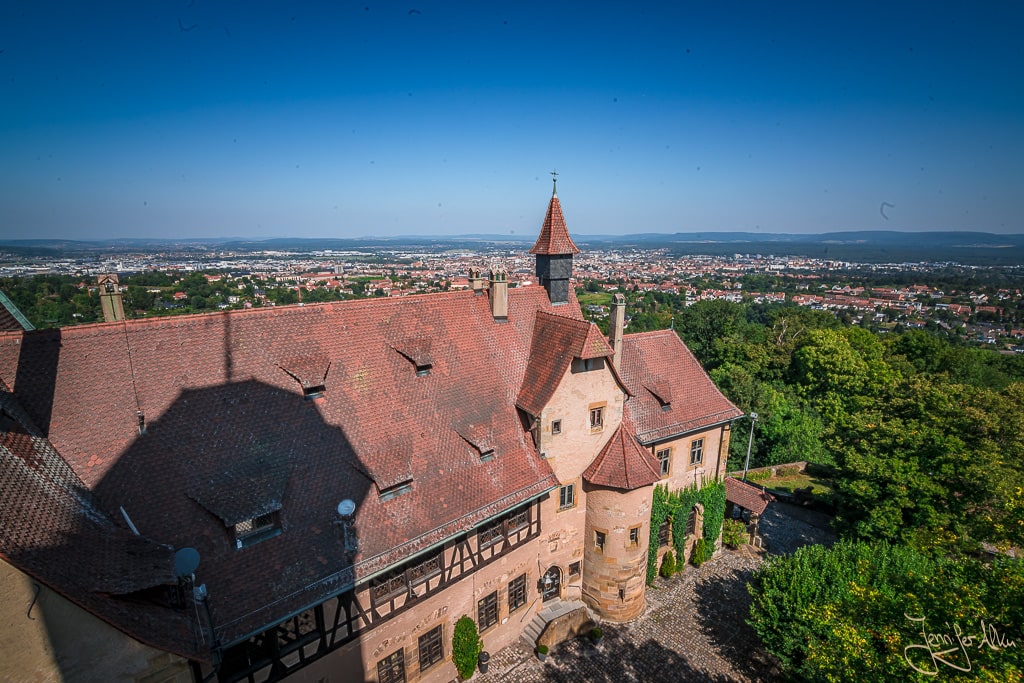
(677, 506)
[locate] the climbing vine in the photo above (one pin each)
(676, 505)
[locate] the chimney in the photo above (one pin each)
(476, 282)
(499, 295)
(110, 298)
(615, 328)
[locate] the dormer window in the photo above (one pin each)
(310, 372)
(250, 531)
(314, 392)
(395, 491)
(417, 351)
(479, 435)
(662, 391)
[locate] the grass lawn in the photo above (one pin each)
(792, 482)
(594, 298)
(789, 480)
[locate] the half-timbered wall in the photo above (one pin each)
(327, 627)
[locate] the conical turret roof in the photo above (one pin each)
(554, 237)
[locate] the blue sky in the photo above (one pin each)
(344, 119)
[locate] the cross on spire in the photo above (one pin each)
(554, 183)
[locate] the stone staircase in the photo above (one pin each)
(553, 611)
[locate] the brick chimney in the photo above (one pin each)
(615, 328)
(499, 295)
(110, 298)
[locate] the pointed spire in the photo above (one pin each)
(554, 183)
(554, 237)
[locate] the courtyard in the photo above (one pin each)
(693, 628)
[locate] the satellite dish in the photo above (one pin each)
(185, 561)
(346, 507)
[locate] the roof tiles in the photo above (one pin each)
(229, 436)
(554, 237)
(660, 371)
(748, 496)
(622, 464)
(556, 341)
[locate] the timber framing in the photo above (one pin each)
(303, 638)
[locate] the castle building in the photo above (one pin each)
(319, 492)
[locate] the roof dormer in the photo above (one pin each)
(417, 351)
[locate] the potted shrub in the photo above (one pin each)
(542, 652)
(596, 634)
(466, 646)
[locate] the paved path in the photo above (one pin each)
(693, 628)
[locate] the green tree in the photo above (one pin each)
(704, 323)
(932, 463)
(466, 646)
(862, 612)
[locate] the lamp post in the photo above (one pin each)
(750, 442)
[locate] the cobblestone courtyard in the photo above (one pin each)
(693, 628)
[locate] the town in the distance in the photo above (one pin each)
(970, 302)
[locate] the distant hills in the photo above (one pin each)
(867, 246)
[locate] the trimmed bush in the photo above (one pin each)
(702, 551)
(668, 565)
(734, 533)
(466, 646)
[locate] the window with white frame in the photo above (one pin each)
(697, 452)
(567, 497)
(664, 460)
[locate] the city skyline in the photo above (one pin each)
(359, 119)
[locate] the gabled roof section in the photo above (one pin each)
(554, 237)
(53, 530)
(622, 464)
(659, 369)
(594, 345)
(747, 496)
(556, 341)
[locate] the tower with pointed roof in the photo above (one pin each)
(554, 250)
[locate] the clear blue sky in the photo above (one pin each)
(204, 118)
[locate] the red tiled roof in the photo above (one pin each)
(556, 341)
(554, 236)
(53, 530)
(657, 365)
(747, 496)
(622, 464)
(221, 396)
